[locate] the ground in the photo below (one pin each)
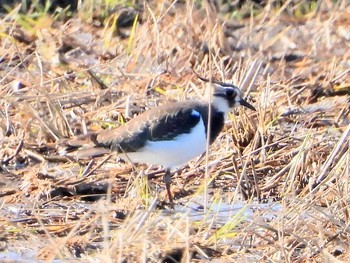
(273, 187)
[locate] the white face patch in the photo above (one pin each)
(221, 104)
(174, 153)
(238, 98)
(225, 98)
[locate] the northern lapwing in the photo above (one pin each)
(168, 135)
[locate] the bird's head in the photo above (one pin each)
(227, 96)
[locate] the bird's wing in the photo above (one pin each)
(83, 147)
(158, 124)
(173, 124)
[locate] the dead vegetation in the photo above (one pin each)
(60, 78)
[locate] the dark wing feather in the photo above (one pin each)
(173, 124)
(162, 123)
(84, 146)
(157, 124)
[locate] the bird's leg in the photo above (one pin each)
(167, 180)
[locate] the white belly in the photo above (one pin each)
(175, 153)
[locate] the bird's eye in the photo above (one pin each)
(229, 93)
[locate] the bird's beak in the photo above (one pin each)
(246, 104)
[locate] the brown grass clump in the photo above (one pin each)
(274, 186)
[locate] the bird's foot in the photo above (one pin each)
(167, 180)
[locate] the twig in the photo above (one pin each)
(332, 157)
(98, 165)
(18, 149)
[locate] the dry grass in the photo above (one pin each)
(59, 79)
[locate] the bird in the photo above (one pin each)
(168, 135)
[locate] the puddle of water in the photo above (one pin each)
(223, 213)
(10, 256)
